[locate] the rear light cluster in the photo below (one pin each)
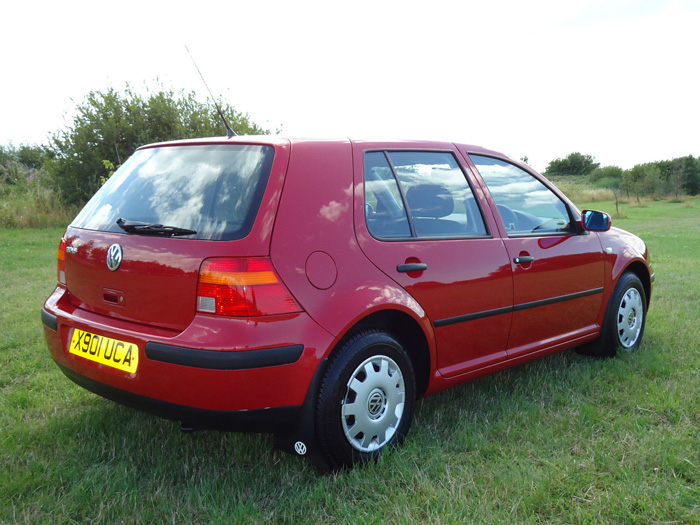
(242, 287)
(62, 262)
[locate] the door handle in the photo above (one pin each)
(412, 267)
(524, 259)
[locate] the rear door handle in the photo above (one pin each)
(412, 267)
(524, 259)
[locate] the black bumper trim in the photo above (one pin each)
(221, 359)
(49, 320)
(273, 419)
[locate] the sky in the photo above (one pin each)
(615, 79)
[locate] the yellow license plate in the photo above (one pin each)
(111, 352)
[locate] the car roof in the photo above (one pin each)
(275, 140)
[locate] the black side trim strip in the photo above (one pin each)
(554, 300)
(223, 360)
(472, 317)
(517, 308)
(50, 321)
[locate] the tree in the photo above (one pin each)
(691, 171)
(641, 180)
(666, 168)
(676, 181)
(630, 181)
(608, 172)
(110, 125)
(574, 164)
(651, 180)
(613, 184)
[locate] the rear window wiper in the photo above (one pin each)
(147, 228)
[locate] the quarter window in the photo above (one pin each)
(427, 187)
(526, 206)
(384, 208)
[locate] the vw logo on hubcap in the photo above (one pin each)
(114, 257)
(375, 404)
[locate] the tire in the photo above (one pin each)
(365, 402)
(625, 318)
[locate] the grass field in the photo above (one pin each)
(566, 439)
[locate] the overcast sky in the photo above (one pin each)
(616, 79)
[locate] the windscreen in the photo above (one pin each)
(215, 190)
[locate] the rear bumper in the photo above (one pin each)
(238, 374)
(273, 419)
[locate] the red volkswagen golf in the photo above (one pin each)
(316, 289)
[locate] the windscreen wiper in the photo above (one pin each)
(146, 228)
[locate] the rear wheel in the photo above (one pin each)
(625, 317)
(366, 400)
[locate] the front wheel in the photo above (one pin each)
(625, 317)
(366, 400)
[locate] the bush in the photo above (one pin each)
(607, 172)
(29, 199)
(574, 164)
(110, 125)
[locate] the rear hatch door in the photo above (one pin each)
(145, 267)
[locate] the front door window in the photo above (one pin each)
(526, 205)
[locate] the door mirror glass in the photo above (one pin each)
(595, 221)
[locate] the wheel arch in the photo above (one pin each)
(642, 272)
(409, 333)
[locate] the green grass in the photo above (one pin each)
(565, 439)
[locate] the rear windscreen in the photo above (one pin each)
(213, 189)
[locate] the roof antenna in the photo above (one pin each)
(229, 132)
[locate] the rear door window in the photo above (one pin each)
(215, 190)
(419, 194)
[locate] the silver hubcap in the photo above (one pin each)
(373, 404)
(629, 318)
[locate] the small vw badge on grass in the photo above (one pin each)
(114, 257)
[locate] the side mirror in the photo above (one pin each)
(595, 221)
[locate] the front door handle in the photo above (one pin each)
(412, 267)
(524, 259)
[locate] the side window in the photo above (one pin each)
(384, 208)
(433, 191)
(438, 197)
(526, 206)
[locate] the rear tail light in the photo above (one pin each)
(62, 262)
(242, 287)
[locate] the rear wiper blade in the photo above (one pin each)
(147, 228)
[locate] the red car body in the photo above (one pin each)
(463, 307)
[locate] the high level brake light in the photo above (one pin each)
(242, 287)
(62, 262)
